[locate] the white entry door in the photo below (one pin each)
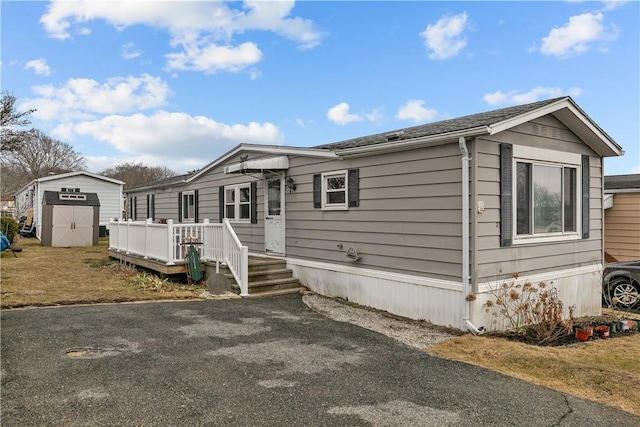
(274, 215)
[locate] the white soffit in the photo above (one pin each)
(259, 165)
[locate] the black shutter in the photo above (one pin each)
(130, 207)
(586, 187)
(317, 191)
(153, 206)
(506, 194)
(354, 187)
(148, 205)
(254, 202)
(135, 208)
(221, 203)
(180, 206)
(195, 206)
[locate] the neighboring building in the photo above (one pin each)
(109, 191)
(622, 217)
(8, 207)
(413, 221)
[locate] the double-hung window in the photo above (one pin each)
(237, 202)
(334, 190)
(188, 206)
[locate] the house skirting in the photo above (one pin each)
(415, 297)
(578, 287)
(439, 301)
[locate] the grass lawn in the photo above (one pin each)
(605, 371)
(42, 275)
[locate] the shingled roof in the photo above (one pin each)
(622, 182)
(443, 127)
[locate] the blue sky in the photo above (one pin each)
(177, 84)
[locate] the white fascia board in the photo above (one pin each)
(76, 173)
(432, 140)
(580, 124)
(264, 149)
(621, 190)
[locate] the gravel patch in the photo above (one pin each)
(412, 333)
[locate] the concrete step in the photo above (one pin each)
(262, 294)
(258, 276)
(269, 285)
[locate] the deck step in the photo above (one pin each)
(277, 292)
(267, 276)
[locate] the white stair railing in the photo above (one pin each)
(236, 256)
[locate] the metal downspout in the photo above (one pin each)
(462, 142)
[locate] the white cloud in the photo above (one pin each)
(212, 58)
(445, 38)
(85, 98)
(200, 29)
(515, 97)
(415, 110)
(129, 51)
(39, 66)
(171, 135)
(340, 114)
(576, 36)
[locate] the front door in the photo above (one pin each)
(274, 214)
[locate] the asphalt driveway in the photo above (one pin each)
(250, 362)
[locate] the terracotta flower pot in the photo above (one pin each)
(603, 331)
(582, 335)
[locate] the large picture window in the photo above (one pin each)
(544, 195)
(545, 199)
(237, 202)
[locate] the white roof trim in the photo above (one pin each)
(574, 118)
(259, 165)
(70, 174)
(608, 201)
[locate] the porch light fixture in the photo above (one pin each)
(290, 183)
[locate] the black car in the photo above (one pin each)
(621, 285)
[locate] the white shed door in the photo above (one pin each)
(72, 226)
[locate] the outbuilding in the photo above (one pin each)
(70, 219)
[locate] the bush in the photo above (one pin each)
(9, 227)
(534, 312)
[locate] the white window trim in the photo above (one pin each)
(541, 156)
(184, 207)
(335, 206)
(236, 189)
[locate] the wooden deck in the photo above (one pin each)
(150, 264)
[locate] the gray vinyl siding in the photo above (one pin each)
(493, 261)
(408, 219)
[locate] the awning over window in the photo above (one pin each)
(259, 165)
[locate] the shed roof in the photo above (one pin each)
(84, 199)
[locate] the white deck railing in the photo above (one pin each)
(167, 243)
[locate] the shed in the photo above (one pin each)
(70, 219)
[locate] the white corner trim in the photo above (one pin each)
(385, 275)
(547, 277)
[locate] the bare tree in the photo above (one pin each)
(10, 119)
(138, 174)
(41, 155)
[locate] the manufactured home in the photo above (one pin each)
(421, 222)
(109, 192)
(622, 217)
